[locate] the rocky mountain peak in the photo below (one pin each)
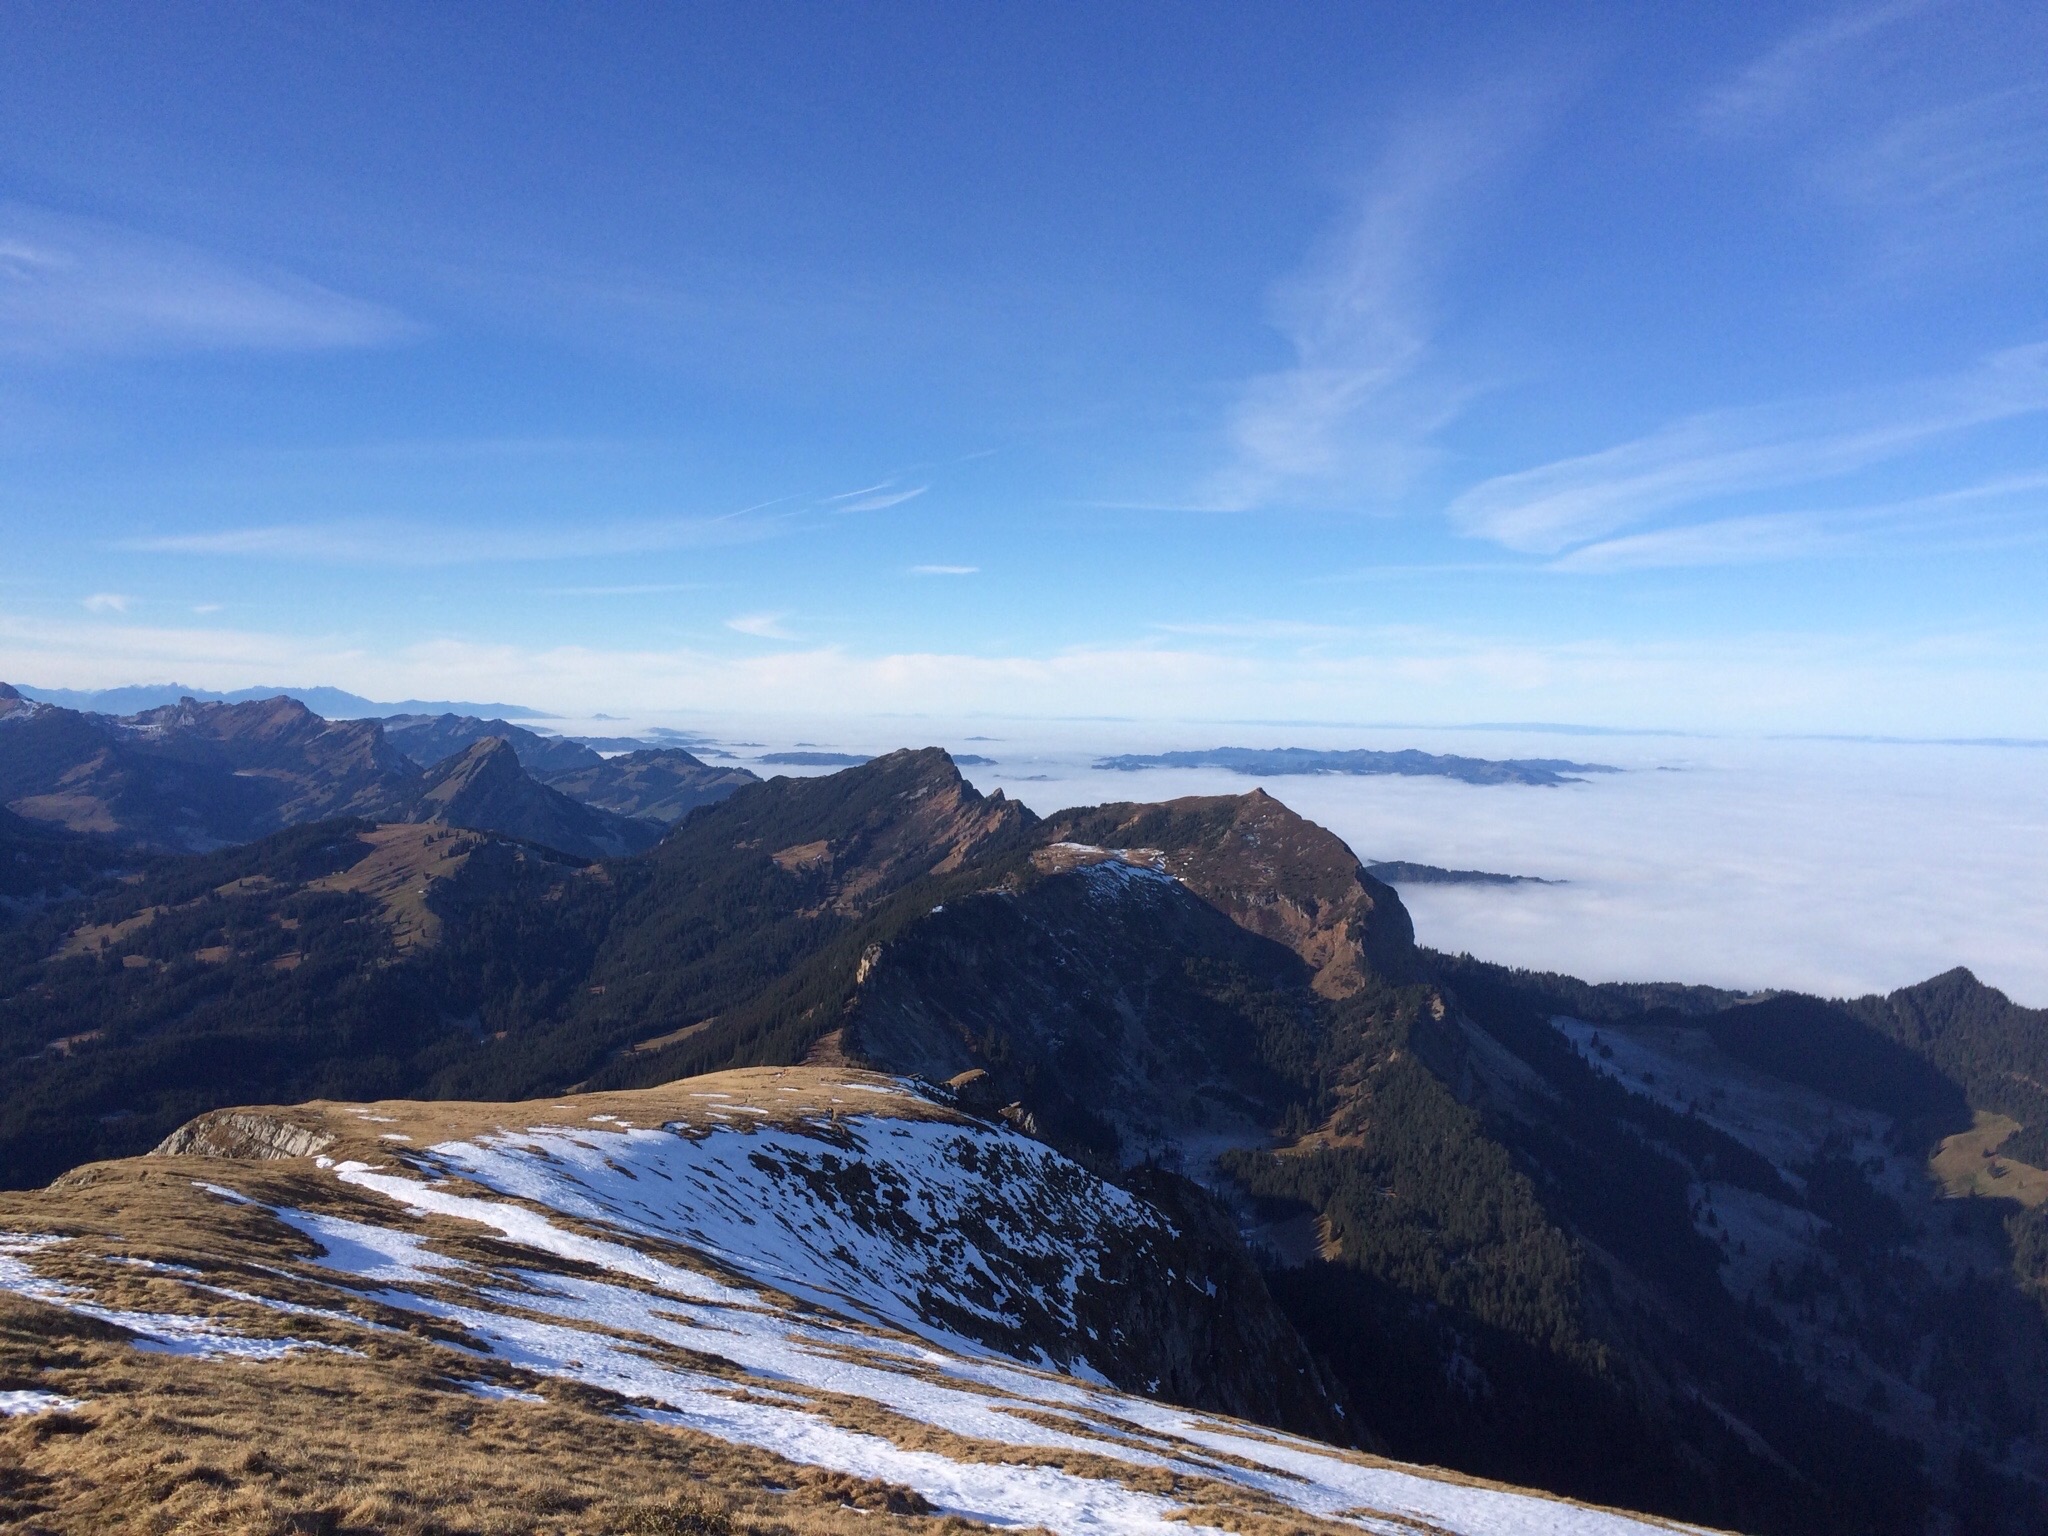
(485, 787)
(486, 766)
(872, 829)
(259, 718)
(279, 735)
(1271, 871)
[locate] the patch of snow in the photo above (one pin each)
(171, 1333)
(155, 1266)
(496, 1393)
(872, 1221)
(867, 1219)
(534, 1230)
(1115, 874)
(365, 1251)
(17, 1403)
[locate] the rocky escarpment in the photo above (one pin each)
(1080, 995)
(1270, 871)
(861, 835)
(246, 1133)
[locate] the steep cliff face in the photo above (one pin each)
(854, 838)
(1270, 871)
(1119, 1009)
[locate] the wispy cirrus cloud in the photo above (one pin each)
(74, 287)
(945, 570)
(1694, 464)
(1721, 541)
(1350, 419)
(762, 626)
(107, 602)
(873, 498)
(628, 589)
(1975, 166)
(392, 542)
(2001, 511)
(1262, 629)
(566, 535)
(1788, 74)
(1925, 121)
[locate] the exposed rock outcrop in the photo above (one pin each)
(243, 1133)
(1271, 871)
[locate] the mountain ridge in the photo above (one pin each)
(1656, 1246)
(1547, 772)
(333, 703)
(200, 775)
(485, 788)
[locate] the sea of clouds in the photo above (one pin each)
(1836, 867)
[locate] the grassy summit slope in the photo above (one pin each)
(728, 1306)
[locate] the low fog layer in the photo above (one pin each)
(1832, 867)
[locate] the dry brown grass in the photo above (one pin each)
(325, 1443)
(781, 1096)
(404, 863)
(385, 1439)
(380, 1432)
(1968, 1164)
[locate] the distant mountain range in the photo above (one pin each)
(1767, 1262)
(333, 703)
(1280, 762)
(196, 775)
(1402, 872)
(813, 759)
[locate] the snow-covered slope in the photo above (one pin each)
(822, 1266)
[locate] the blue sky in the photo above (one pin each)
(1634, 366)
